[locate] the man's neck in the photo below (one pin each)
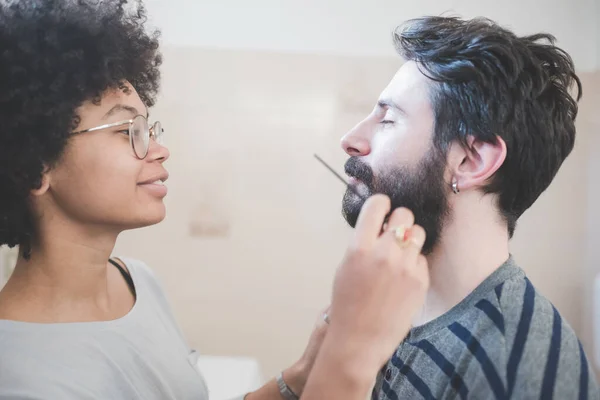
(473, 244)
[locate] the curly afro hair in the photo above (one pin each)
(57, 54)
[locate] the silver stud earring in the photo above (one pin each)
(455, 186)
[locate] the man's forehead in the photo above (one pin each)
(407, 84)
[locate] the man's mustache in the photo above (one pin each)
(355, 168)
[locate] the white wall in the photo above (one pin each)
(598, 34)
(359, 27)
(592, 266)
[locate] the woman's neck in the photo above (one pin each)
(66, 279)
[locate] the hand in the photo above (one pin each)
(379, 287)
(297, 375)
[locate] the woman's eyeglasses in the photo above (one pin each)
(139, 133)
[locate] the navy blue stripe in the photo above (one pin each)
(553, 354)
(413, 378)
(455, 379)
(499, 291)
(583, 379)
(492, 312)
(389, 392)
(480, 354)
(521, 336)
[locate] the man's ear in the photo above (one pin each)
(474, 164)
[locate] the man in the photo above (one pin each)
(470, 131)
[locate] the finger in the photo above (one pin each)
(325, 316)
(401, 217)
(403, 244)
(422, 264)
(422, 272)
(371, 218)
(323, 321)
(414, 240)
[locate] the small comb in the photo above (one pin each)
(338, 176)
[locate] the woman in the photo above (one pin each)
(80, 163)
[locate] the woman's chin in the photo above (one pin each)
(151, 216)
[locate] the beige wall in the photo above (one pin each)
(242, 129)
(591, 267)
(554, 241)
(242, 134)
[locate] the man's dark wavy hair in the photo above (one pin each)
(487, 82)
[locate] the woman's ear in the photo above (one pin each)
(44, 184)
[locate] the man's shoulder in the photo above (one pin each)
(527, 314)
(524, 319)
(541, 352)
(505, 340)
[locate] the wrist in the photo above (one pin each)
(295, 377)
(354, 360)
(338, 374)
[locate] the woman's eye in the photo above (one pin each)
(124, 131)
(386, 122)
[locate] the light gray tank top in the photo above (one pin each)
(140, 356)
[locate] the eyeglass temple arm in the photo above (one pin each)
(97, 128)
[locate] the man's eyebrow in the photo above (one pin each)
(387, 103)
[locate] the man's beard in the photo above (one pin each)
(421, 189)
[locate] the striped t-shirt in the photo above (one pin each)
(503, 341)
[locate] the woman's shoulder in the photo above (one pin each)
(136, 268)
(143, 276)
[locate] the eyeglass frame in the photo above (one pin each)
(151, 133)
